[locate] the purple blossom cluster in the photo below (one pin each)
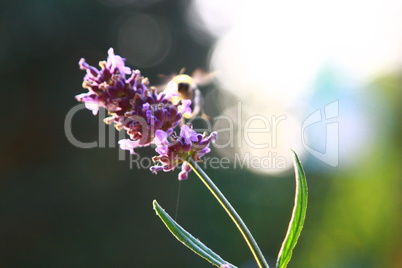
(109, 87)
(175, 150)
(147, 116)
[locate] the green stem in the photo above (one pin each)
(252, 244)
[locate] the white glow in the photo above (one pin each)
(279, 37)
(211, 19)
(272, 67)
(272, 52)
(259, 139)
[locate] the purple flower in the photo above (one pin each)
(155, 113)
(132, 105)
(185, 108)
(108, 87)
(128, 144)
(175, 150)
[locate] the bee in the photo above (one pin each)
(183, 86)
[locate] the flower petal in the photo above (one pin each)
(156, 169)
(117, 62)
(188, 134)
(160, 137)
(128, 144)
(185, 169)
(185, 108)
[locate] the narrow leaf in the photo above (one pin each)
(298, 215)
(187, 239)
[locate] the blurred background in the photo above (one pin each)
(327, 72)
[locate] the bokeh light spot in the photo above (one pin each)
(144, 40)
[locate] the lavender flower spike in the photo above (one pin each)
(108, 86)
(175, 150)
(132, 106)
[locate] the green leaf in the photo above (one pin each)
(298, 216)
(187, 239)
